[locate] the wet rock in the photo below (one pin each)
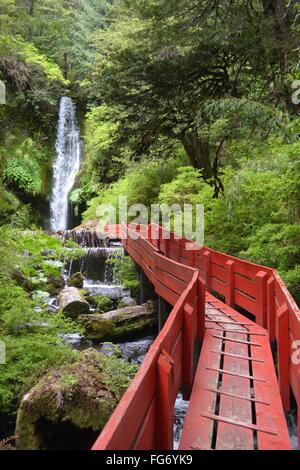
(76, 280)
(72, 304)
(111, 350)
(70, 405)
(127, 302)
(126, 323)
(135, 351)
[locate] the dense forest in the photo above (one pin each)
(186, 101)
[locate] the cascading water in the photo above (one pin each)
(66, 165)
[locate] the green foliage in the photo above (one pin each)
(103, 303)
(28, 329)
(126, 273)
(140, 185)
(27, 359)
(23, 169)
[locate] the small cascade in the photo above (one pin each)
(84, 237)
(96, 267)
(66, 164)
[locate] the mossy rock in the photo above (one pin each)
(77, 280)
(103, 303)
(83, 395)
(125, 323)
(127, 302)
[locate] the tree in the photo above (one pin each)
(162, 60)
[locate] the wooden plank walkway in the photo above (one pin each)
(235, 402)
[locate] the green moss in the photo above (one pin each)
(103, 303)
(84, 394)
(101, 329)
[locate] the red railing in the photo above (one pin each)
(144, 417)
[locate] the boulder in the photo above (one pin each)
(124, 323)
(76, 280)
(70, 405)
(72, 304)
(127, 302)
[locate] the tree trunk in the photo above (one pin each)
(276, 10)
(72, 304)
(197, 149)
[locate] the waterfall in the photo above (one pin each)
(66, 165)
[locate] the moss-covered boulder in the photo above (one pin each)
(124, 323)
(76, 280)
(70, 405)
(127, 302)
(72, 303)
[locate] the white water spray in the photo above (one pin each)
(66, 165)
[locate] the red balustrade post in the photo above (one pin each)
(283, 355)
(201, 293)
(207, 268)
(229, 296)
(160, 237)
(188, 344)
(271, 308)
(165, 402)
(261, 298)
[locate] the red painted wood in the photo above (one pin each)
(230, 436)
(261, 298)
(136, 423)
(283, 355)
(164, 435)
(189, 319)
(271, 308)
(269, 416)
(207, 264)
(230, 283)
(244, 284)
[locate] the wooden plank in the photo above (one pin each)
(184, 273)
(269, 392)
(218, 272)
(244, 301)
(283, 355)
(146, 437)
(164, 411)
(170, 281)
(230, 437)
(167, 294)
(198, 430)
(218, 286)
(122, 429)
(245, 285)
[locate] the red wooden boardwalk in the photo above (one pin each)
(235, 402)
(236, 399)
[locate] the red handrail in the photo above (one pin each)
(143, 418)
